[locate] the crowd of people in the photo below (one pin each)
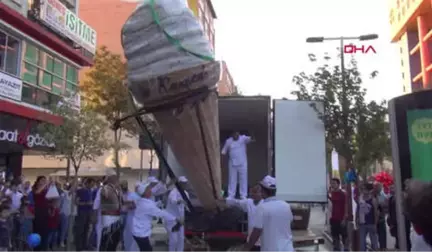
(375, 215)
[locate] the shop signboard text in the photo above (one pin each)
(64, 21)
(24, 138)
(10, 87)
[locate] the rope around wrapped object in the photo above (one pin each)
(173, 40)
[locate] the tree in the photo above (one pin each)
(81, 137)
(105, 92)
(356, 129)
(372, 139)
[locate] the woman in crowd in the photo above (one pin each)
(39, 191)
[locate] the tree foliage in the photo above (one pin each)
(81, 136)
(357, 129)
(105, 92)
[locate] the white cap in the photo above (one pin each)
(182, 179)
(152, 179)
(141, 188)
(268, 182)
(110, 172)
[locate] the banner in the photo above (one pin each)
(10, 87)
(420, 143)
(61, 19)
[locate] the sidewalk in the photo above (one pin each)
(159, 238)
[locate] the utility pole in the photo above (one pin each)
(353, 237)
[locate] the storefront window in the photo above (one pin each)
(29, 94)
(50, 76)
(9, 53)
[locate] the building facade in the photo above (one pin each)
(43, 45)
(411, 23)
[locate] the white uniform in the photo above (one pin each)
(145, 210)
(176, 207)
(237, 164)
(158, 190)
(248, 206)
(128, 240)
(274, 218)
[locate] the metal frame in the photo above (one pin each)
(158, 149)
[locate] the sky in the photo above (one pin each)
(264, 42)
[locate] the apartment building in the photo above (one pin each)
(43, 45)
(411, 23)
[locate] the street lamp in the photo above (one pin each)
(344, 102)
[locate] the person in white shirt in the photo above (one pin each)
(15, 197)
(129, 203)
(176, 207)
(145, 211)
(272, 221)
(249, 206)
(158, 188)
(235, 147)
(65, 213)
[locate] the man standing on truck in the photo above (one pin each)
(272, 221)
(235, 147)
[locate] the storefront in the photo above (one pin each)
(18, 134)
(39, 64)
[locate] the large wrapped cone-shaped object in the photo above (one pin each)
(161, 37)
(171, 72)
(184, 104)
(193, 134)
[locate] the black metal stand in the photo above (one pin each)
(157, 148)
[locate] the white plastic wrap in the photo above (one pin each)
(148, 49)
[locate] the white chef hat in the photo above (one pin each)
(141, 188)
(152, 179)
(182, 179)
(268, 182)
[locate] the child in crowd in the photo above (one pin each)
(53, 222)
(5, 237)
(26, 219)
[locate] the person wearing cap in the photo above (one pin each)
(249, 206)
(110, 205)
(272, 222)
(158, 187)
(176, 207)
(235, 147)
(145, 211)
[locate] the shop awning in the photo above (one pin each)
(37, 32)
(30, 113)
